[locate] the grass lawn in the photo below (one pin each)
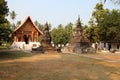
(17, 65)
(6, 54)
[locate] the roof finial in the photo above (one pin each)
(46, 26)
(78, 18)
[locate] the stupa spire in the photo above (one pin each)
(78, 18)
(46, 26)
(78, 25)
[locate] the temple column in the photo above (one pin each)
(37, 37)
(32, 36)
(22, 37)
(15, 38)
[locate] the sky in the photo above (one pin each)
(55, 12)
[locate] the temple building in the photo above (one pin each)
(26, 35)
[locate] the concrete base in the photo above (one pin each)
(23, 46)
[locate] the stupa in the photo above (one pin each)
(79, 43)
(46, 41)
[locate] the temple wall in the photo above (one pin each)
(105, 47)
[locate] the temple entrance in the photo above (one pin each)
(109, 46)
(26, 38)
(118, 46)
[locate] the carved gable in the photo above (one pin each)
(26, 32)
(28, 26)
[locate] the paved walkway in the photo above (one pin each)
(107, 57)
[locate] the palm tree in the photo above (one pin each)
(18, 23)
(13, 16)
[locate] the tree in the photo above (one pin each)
(58, 35)
(13, 16)
(98, 16)
(3, 11)
(114, 1)
(110, 26)
(98, 13)
(92, 32)
(18, 23)
(40, 26)
(68, 31)
(61, 34)
(104, 25)
(4, 24)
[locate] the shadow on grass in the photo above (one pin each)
(7, 54)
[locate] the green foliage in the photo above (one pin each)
(98, 16)
(62, 35)
(104, 25)
(68, 30)
(110, 26)
(92, 33)
(18, 23)
(3, 11)
(114, 1)
(99, 13)
(40, 26)
(4, 24)
(5, 34)
(13, 16)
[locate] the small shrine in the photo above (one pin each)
(46, 42)
(79, 43)
(26, 35)
(46, 39)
